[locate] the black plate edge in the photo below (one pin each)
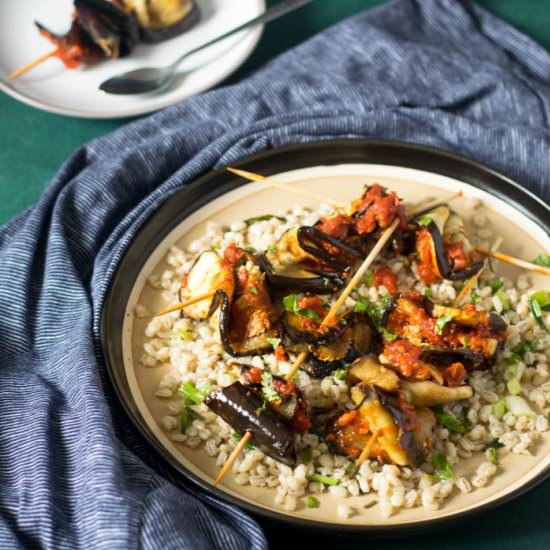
(327, 152)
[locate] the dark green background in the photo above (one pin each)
(34, 143)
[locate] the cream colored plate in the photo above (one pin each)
(522, 237)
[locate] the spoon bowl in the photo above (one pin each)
(139, 81)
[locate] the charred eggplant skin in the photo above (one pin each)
(105, 21)
(241, 407)
(319, 284)
(153, 36)
(443, 265)
(415, 453)
(221, 300)
(308, 234)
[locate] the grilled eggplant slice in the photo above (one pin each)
(242, 408)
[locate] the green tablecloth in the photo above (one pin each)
(34, 143)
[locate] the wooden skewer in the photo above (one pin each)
(22, 70)
(189, 302)
(365, 453)
(471, 282)
(279, 185)
(514, 261)
(296, 365)
(252, 176)
(245, 439)
(333, 310)
(417, 209)
(360, 273)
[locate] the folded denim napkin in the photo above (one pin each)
(74, 472)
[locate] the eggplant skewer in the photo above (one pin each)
(103, 29)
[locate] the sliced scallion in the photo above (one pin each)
(325, 480)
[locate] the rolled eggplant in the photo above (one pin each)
(382, 412)
(444, 252)
(163, 19)
(242, 408)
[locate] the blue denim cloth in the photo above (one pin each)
(74, 473)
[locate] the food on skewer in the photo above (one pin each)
(160, 20)
(402, 360)
(111, 29)
(444, 251)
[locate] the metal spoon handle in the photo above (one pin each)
(272, 13)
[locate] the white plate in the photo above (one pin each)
(76, 92)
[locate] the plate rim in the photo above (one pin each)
(213, 184)
(252, 36)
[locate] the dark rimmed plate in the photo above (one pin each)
(338, 168)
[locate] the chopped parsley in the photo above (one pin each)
(542, 260)
(275, 342)
(261, 408)
(309, 313)
(496, 285)
(501, 295)
(499, 409)
(272, 248)
(387, 335)
(263, 218)
(541, 296)
(185, 334)
(184, 420)
(443, 470)
(369, 279)
(339, 374)
(254, 290)
(237, 437)
(290, 303)
(192, 394)
(451, 422)
(424, 221)
(537, 314)
(442, 322)
(325, 480)
(350, 468)
(267, 387)
(305, 454)
(491, 453)
(312, 502)
(518, 353)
